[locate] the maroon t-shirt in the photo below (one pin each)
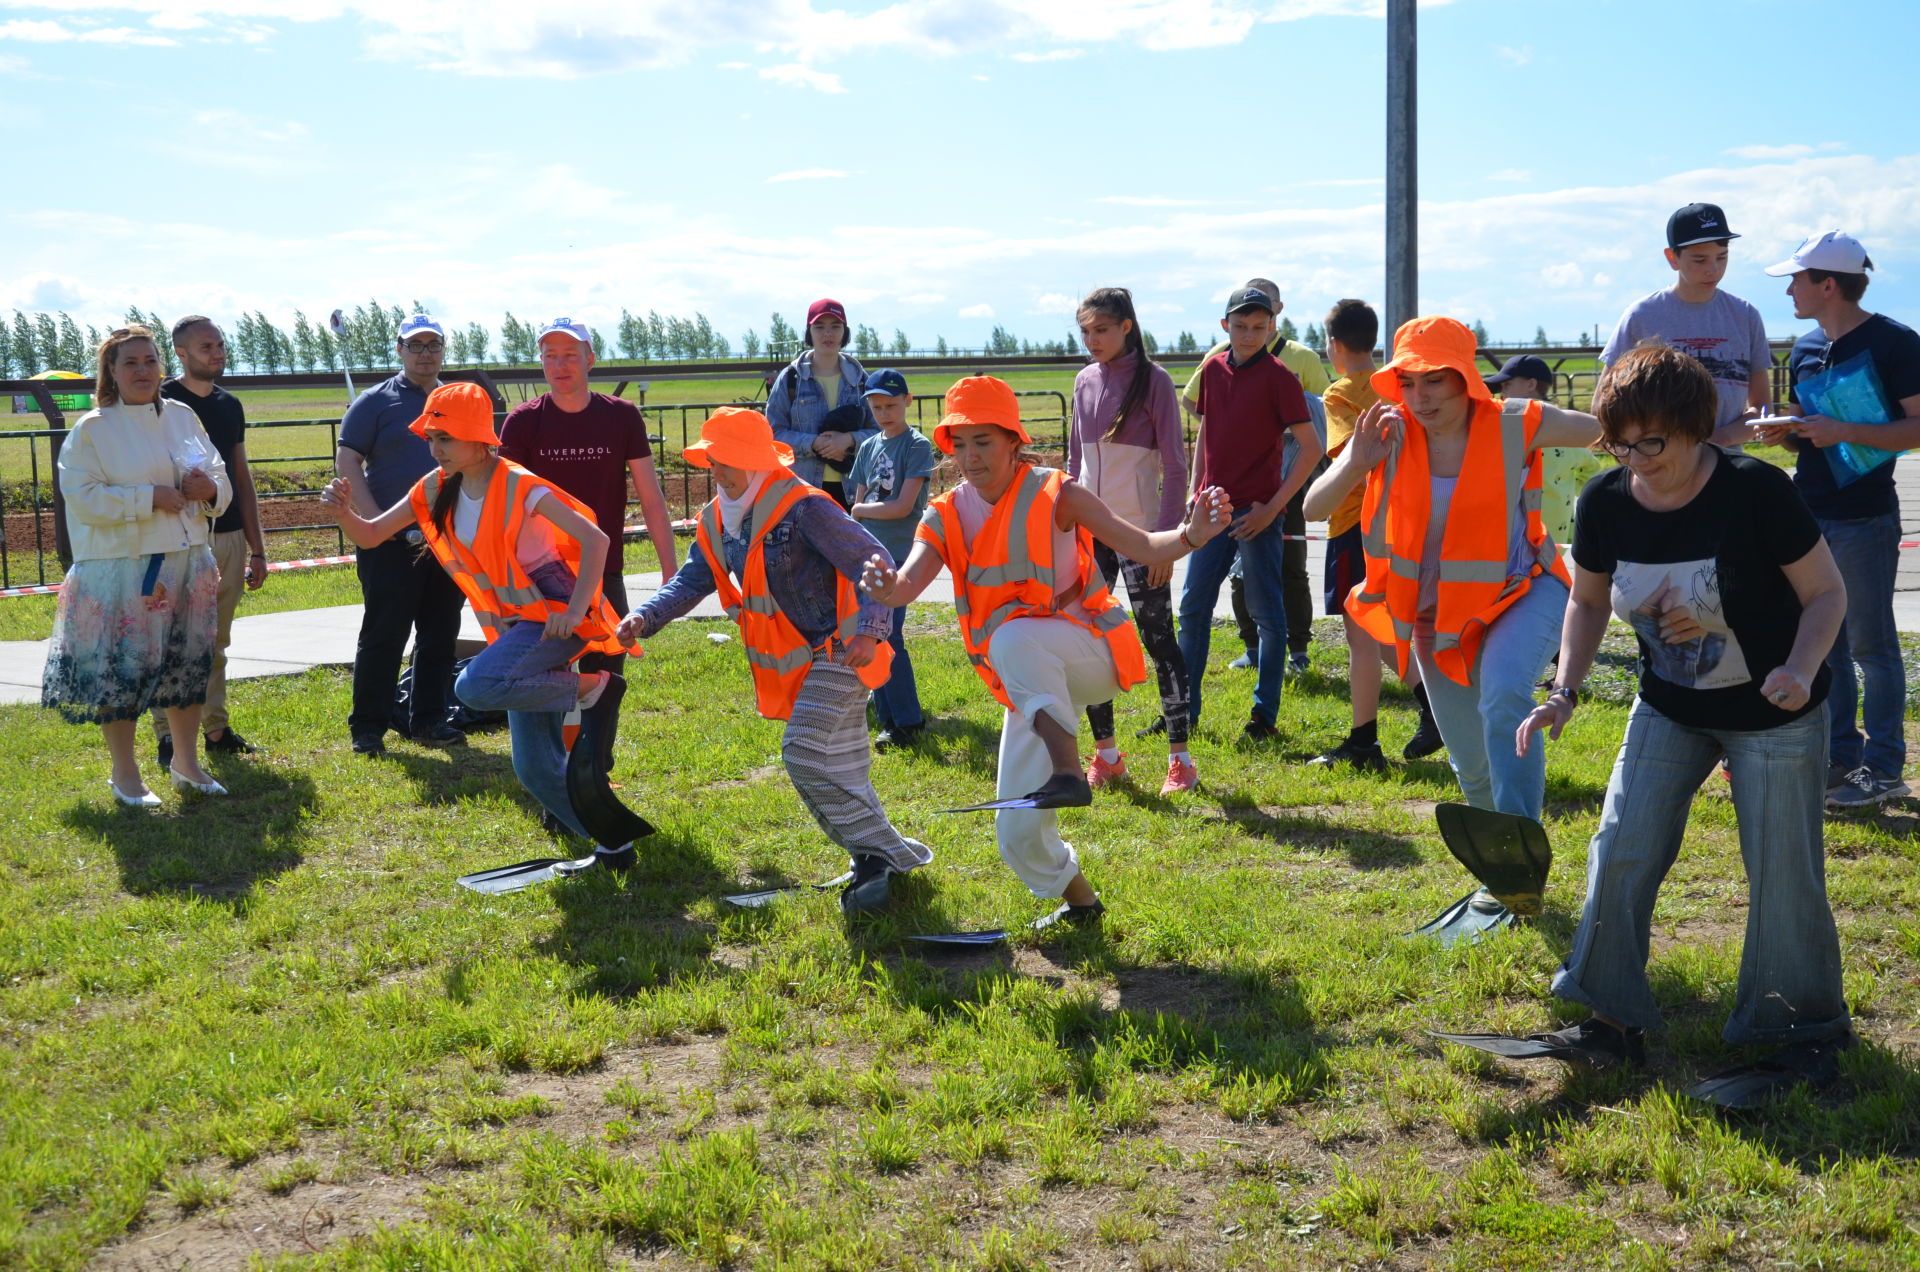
(585, 453)
(1248, 410)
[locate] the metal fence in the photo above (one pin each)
(33, 549)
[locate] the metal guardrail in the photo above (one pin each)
(670, 428)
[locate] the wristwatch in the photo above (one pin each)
(1563, 691)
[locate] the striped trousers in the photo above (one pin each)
(826, 754)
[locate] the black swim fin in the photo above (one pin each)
(610, 823)
(1507, 853)
(1466, 920)
(1750, 1086)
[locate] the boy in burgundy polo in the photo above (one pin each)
(589, 444)
(1248, 403)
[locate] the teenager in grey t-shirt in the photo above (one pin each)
(1723, 333)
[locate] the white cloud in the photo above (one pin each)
(1511, 174)
(40, 32)
(982, 79)
(1153, 201)
(1791, 151)
(1343, 181)
(1603, 279)
(1516, 56)
(1566, 274)
(1055, 303)
(734, 66)
(977, 311)
(1052, 55)
(795, 75)
(806, 174)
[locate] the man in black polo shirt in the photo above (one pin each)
(380, 459)
(239, 550)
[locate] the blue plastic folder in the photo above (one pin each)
(1850, 392)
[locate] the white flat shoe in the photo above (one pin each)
(208, 787)
(146, 799)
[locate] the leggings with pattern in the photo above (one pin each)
(1153, 616)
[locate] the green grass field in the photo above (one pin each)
(269, 1031)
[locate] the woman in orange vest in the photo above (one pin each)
(528, 556)
(1039, 623)
(783, 556)
(1461, 573)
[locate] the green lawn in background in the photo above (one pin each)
(271, 1029)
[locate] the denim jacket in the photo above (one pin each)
(813, 541)
(796, 404)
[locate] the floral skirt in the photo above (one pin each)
(122, 645)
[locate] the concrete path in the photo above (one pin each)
(285, 643)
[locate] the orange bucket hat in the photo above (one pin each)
(977, 400)
(462, 410)
(739, 438)
(1432, 344)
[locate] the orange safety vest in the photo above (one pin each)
(1000, 577)
(1501, 471)
(490, 574)
(777, 654)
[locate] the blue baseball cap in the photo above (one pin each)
(887, 381)
(414, 324)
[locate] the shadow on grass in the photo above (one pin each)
(443, 776)
(1365, 849)
(213, 847)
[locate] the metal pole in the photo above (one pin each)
(1403, 172)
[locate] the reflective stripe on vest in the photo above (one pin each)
(490, 574)
(1020, 576)
(778, 656)
(1500, 472)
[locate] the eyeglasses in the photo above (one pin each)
(432, 346)
(1647, 447)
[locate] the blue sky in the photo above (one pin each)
(938, 165)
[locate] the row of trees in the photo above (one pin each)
(40, 342)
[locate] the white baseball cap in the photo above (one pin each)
(414, 324)
(1836, 252)
(565, 327)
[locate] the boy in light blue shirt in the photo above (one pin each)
(889, 481)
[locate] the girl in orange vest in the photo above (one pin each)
(1461, 574)
(1039, 623)
(528, 556)
(783, 557)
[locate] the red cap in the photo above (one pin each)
(826, 305)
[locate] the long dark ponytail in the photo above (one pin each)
(1116, 305)
(443, 500)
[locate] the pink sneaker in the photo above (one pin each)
(1100, 773)
(1180, 776)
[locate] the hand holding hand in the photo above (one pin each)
(167, 499)
(1786, 690)
(877, 578)
(628, 633)
(199, 487)
(1551, 715)
(1212, 512)
(860, 651)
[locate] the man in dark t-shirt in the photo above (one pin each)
(1860, 517)
(239, 550)
(590, 445)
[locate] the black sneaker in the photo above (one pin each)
(1864, 788)
(868, 891)
(1425, 740)
(165, 751)
(1080, 916)
(1298, 663)
(1595, 1043)
(1063, 790)
(229, 742)
(1258, 730)
(442, 734)
(1363, 756)
(898, 736)
(369, 744)
(1159, 725)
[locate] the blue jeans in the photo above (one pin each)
(530, 679)
(1478, 720)
(1789, 985)
(1868, 553)
(897, 703)
(1260, 564)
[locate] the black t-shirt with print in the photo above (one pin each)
(1723, 551)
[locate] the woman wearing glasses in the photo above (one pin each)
(136, 624)
(1461, 573)
(1721, 570)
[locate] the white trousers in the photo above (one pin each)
(1057, 666)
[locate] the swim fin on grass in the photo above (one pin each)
(767, 896)
(1466, 920)
(1749, 1086)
